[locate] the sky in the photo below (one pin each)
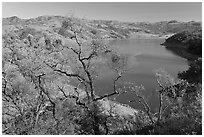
(121, 11)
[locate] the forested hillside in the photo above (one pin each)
(191, 41)
(40, 56)
(188, 44)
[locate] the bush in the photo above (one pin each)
(194, 73)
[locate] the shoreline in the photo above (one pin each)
(179, 50)
(143, 35)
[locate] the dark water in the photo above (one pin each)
(144, 57)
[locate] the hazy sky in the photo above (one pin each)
(121, 11)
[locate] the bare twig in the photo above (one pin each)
(146, 106)
(160, 100)
(78, 102)
(89, 57)
(114, 90)
(62, 91)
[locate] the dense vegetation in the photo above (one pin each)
(186, 43)
(41, 56)
(194, 73)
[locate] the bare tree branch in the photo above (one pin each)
(62, 91)
(146, 106)
(89, 57)
(78, 102)
(114, 89)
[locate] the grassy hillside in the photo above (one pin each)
(166, 27)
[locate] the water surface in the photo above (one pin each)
(144, 57)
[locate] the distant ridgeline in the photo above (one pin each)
(187, 44)
(108, 28)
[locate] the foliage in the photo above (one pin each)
(194, 73)
(180, 110)
(191, 41)
(37, 97)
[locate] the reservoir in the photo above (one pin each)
(144, 57)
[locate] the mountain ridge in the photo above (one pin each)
(114, 28)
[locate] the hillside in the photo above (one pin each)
(188, 43)
(108, 29)
(32, 51)
(169, 27)
(42, 56)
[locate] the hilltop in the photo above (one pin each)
(108, 29)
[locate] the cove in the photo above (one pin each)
(144, 56)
